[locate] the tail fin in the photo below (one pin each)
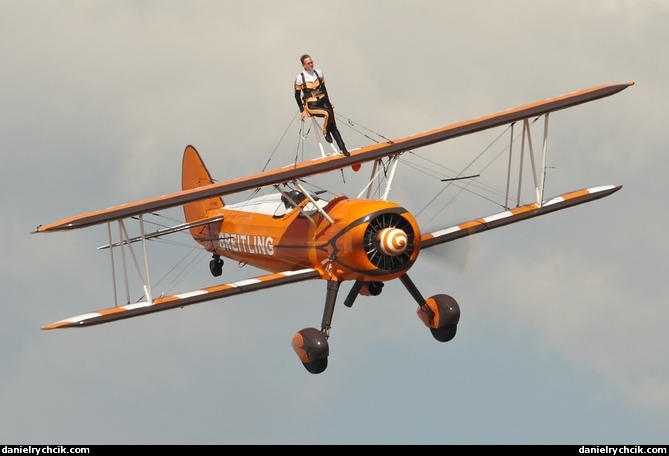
(194, 174)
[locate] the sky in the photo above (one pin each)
(562, 337)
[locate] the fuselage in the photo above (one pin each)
(345, 239)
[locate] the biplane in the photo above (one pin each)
(295, 235)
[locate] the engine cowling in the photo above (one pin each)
(381, 243)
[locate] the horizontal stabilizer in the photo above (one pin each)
(516, 215)
(185, 299)
(164, 231)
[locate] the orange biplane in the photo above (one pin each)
(296, 235)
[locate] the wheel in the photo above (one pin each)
(311, 346)
(375, 288)
(216, 267)
(316, 366)
(445, 333)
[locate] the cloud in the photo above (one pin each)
(562, 334)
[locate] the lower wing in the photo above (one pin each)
(516, 215)
(186, 299)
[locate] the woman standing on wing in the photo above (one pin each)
(313, 100)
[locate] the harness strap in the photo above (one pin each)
(308, 95)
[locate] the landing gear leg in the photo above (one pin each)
(330, 300)
(440, 313)
(350, 298)
(310, 344)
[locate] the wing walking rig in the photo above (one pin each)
(295, 236)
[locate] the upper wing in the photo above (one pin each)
(330, 163)
(516, 215)
(185, 299)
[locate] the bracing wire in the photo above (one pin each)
(354, 126)
(472, 183)
(280, 140)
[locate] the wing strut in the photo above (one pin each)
(312, 201)
(125, 242)
(393, 160)
(113, 265)
(540, 196)
(299, 207)
(147, 284)
(526, 142)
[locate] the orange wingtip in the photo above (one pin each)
(58, 324)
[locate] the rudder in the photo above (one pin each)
(194, 174)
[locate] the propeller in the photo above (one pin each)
(458, 255)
